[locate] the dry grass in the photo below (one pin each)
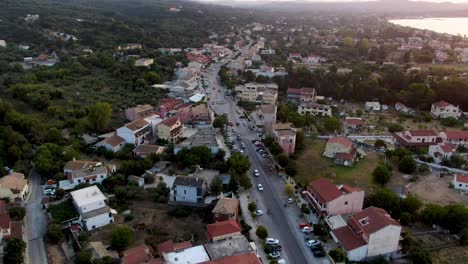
(450, 255)
(432, 189)
(311, 164)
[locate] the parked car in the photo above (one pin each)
(290, 200)
(258, 212)
(243, 145)
(275, 247)
(306, 229)
(275, 254)
(265, 155)
(49, 192)
(272, 241)
(318, 252)
(256, 173)
(260, 187)
(312, 243)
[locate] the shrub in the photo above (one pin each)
(337, 255)
(180, 211)
(407, 165)
(381, 174)
(261, 232)
(122, 237)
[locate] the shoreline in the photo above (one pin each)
(442, 25)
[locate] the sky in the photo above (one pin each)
(436, 1)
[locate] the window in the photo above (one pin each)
(346, 202)
(102, 176)
(460, 185)
(185, 191)
(93, 227)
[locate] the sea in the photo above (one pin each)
(452, 25)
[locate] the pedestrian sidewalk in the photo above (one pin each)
(244, 199)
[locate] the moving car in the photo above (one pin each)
(260, 187)
(312, 243)
(243, 145)
(290, 200)
(258, 212)
(272, 241)
(265, 155)
(275, 254)
(256, 173)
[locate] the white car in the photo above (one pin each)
(290, 200)
(312, 243)
(256, 173)
(258, 212)
(260, 187)
(272, 241)
(275, 254)
(306, 229)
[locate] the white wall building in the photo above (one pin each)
(84, 171)
(441, 151)
(443, 109)
(460, 182)
(90, 204)
(135, 132)
(372, 106)
(189, 189)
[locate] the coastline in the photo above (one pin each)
(442, 25)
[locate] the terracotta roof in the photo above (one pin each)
(79, 164)
(137, 255)
(324, 190)
(141, 108)
(114, 140)
(247, 258)
(340, 140)
(447, 147)
(461, 178)
(170, 103)
(16, 229)
(169, 246)
(169, 121)
(4, 221)
(226, 206)
(371, 220)
(348, 239)
(13, 181)
(354, 121)
(2, 207)
(457, 134)
(149, 149)
(222, 228)
(137, 124)
(294, 55)
(423, 133)
(441, 104)
(294, 91)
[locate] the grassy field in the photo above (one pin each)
(311, 165)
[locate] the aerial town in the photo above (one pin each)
(219, 135)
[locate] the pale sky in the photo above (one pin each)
(437, 1)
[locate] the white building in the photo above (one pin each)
(195, 254)
(314, 109)
(441, 151)
(135, 132)
(84, 171)
(372, 106)
(91, 205)
(3, 43)
(189, 189)
(460, 182)
(443, 109)
(455, 137)
(113, 143)
(144, 62)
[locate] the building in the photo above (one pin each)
(441, 151)
(196, 254)
(354, 123)
(369, 233)
(223, 230)
(372, 106)
(200, 116)
(139, 181)
(92, 208)
(329, 199)
(129, 46)
(169, 246)
(443, 109)
(189, 189)
(460, 182)
(234, 246)
(170, 129)
(341, 150)
(168, 105)
(247, 258)
(300, 95)
(144, 62)
(455, 137)
(203, 137)
(113, 143)
(265, 93)
(138, 255)
(314, 59)
(315, 109)
(225, 209)
(139, 111)
(135, 132)
(3, 43)
(84, 171)
(264, 115)
(285, 135)
(417, 138)
(17, 184)
(400, 107)
(144, 151)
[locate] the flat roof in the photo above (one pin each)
(87, 195)
(191, 255)
(228, 247)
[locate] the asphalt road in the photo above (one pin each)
(283, 222)
(36, 222)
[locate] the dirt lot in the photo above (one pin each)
(311, 164)
(55, 255)
(450, 255)
(152, 224)
(432, 189)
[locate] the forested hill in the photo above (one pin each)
(103, 23)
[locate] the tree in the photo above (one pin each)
(338, 255)
(122, 237)
(411, 205)
(261, 232)
(385, 199)
(99, 116)
(83, 257)
(219, 122)
(291, 168)
(161, 193)
(348, 42)
(153, 78)
(332, 124)
(421, 256)
(13, 251)
(54, 232)
(305, 209)
(407, 165)
(276, 149)
(238, 165)
(379, 143)
(244, 182)
(216, 185)
(17, 213)
(464, 237)
(381, 174)
(252, 207)
(289, 189)
(283, 160)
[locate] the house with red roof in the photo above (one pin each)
(455, 137)
(442, 109)
(341, 150)
(441, 151)
(460, 182)
(369, 233)
(247, 258)
(169, 246)
(135, 132)
(223, 230)
(329, 199)
(299, 95)
(138, 255)
(354, 123)
(167, 105)
(417, 138)
(170, 129)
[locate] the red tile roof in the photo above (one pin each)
(324, 190)
(247, 258)
(348, 239)
(2, 206)
(441, 104)
(16, 229)
(169, 246)
(457, 134)
(371, 220)
(4, 221)
(222, 228)
(447, 147)
(340, 140)
(170, 121)
(423, 133)
(137, 255)
(461, 178)
(354, 121)
(296, 91)
(170, 103)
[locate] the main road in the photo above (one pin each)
(283, 222)
(36, 222)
